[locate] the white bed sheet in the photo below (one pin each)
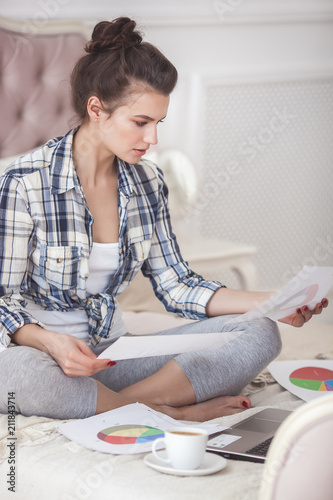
(51, 467)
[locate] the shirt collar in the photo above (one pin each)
(63, 176)
(126, 183)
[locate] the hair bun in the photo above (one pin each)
(115, 35)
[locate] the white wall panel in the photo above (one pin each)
(184, 12)
(267, 175)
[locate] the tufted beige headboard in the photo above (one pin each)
(34, 74)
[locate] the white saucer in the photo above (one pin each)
(211, 463)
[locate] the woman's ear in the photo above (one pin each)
(94, 108)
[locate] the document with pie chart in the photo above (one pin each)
(126, 430)
(307, 288)
(306, 379)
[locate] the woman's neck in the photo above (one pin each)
(91, 160)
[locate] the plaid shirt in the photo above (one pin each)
(46, 240)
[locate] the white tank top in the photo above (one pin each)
(103, 263)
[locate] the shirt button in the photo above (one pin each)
(89, 302)
(59, 260)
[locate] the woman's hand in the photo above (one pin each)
(304, 314)
(73, 355)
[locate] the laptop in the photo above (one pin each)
(250, 438)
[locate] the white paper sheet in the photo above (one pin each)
(308, 287)
(141, 346)
(307, 379)
(135, 422)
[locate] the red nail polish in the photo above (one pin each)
(305, 308)
(298, 311)
(245, 404)
(111, 363)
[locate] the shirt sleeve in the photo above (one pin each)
(16, 227)
(182, 291)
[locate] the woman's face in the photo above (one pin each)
(132, 129)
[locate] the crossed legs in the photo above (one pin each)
(198, 386)
(191, 386)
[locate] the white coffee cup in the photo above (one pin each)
(185, 447)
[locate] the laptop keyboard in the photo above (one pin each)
(261, 449)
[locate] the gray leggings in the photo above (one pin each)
(42, 388)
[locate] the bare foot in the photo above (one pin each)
(207, 410)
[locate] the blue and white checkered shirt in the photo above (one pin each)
(46, 240)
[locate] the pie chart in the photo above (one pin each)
(130, 434)
(313, 378)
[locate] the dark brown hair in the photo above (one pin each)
(117, 62)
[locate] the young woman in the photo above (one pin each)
(80, 217)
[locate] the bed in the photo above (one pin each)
(49, 466)
(52, 467)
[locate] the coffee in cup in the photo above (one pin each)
(185, 447)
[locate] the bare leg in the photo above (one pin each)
(169, 386)
(169, 391)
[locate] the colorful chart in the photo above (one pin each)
(298, 299)
(313, 378)
(129, 434)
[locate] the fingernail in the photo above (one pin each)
(298, 311)
(245, 404)
(111, 363)
(305, 308)
(320, 306)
